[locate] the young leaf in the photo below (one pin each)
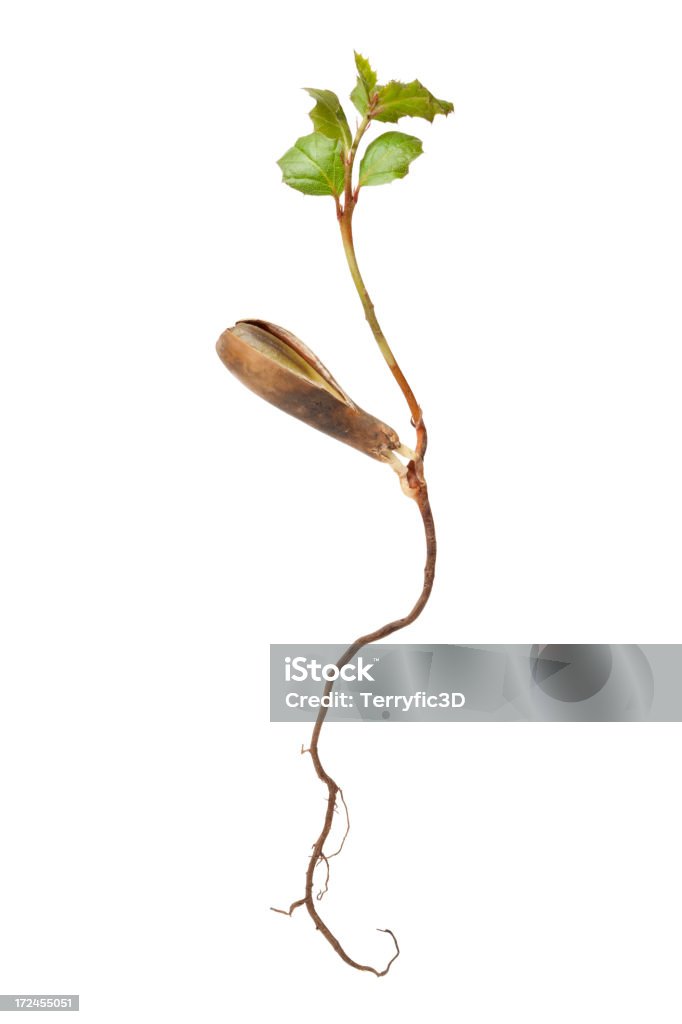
(314, 166)
(388, 158)
(368, 76)
(366, 84)
(328, 117)
(400, 99)
(360, 97)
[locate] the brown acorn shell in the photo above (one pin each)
(278, 366)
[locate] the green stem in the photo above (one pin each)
(368, 306)
(364, 125)
(345, 218)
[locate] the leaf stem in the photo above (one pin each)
(362, 128)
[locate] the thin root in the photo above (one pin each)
(395, 955)
(292, 908)
(345, 835)
(326, 881)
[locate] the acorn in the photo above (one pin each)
(276, 365)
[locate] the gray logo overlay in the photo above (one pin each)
(479, 683)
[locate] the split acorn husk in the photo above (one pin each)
(276, 365)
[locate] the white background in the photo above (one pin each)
(161, 526)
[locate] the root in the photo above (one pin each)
(415, 482)
(397, 950)
(317, 856)
(345, 835)
(292, 908)
(326, 881)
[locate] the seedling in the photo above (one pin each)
(280, 368)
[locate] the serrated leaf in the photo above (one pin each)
(314, 166)
(411, 99)
(388, 157)
(365, 86)
(328, 117)
(366, 73)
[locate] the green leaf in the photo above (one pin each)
(412, 99)
(314, 166)
(360, 98)
(366, 84)
(388, 157)
(368, 76)
(328, 117)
